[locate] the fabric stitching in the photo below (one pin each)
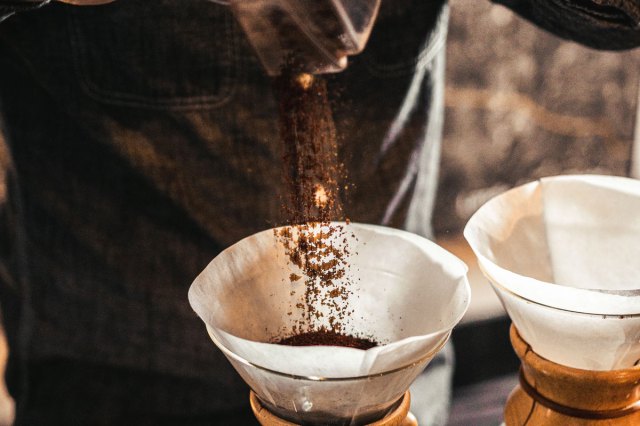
(118, 98)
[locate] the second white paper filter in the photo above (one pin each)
(563, 255)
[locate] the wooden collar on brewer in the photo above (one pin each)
(575, 412)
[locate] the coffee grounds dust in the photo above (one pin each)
(313, 177)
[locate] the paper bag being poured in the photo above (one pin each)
(404, 292)
(563, 255)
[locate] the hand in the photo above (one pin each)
(86, 2)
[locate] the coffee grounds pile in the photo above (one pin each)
(312, 178)
(327, 338)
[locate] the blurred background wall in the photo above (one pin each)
(522, 104)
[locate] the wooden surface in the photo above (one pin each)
(485, 305)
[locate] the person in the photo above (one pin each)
(142, 140)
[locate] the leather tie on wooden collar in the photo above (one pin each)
(575, 412)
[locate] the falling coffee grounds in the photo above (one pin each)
(312, 169)
(327, 338)
(313, 177)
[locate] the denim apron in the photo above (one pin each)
(142, 140)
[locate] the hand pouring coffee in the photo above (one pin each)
(328, 322)
(319, 35)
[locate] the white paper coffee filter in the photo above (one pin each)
(570, 243)
(407, 293)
